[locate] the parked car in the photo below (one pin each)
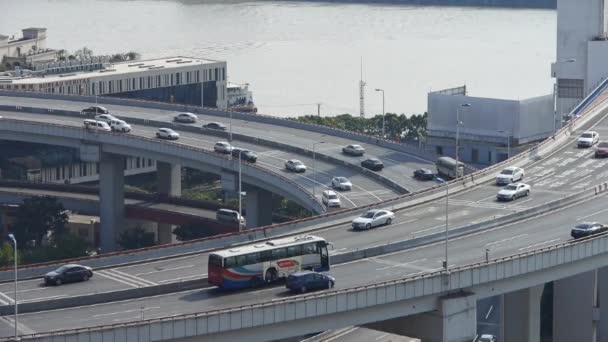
(309, 280)
(353, 150)
(246, 155)
(96, 125)
(373, 218)
(510, 175)
(587, 229)
(424, 174)
(105, 118)
(601, 150)
(330, 199)
(588, 139)
(185, 118)
(167, 133)
(341, 183)
(94, 110)
(215, 125)
(487, 338)
(222, 147)
(295, 165)
(67, 274)
(373, 164)
(118, 125)
(229, 216)
(513, 191)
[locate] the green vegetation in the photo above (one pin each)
(136, 238)
(190, 232)
(396, 126)
(86, 53)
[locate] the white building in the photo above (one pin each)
(491, 127)
(184, 80)
(29, 48)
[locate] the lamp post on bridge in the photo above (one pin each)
(508, 134)
(556, 95)
(314, 168)
(447, 203)
(458, 124)
(383, 113)
(14, 240)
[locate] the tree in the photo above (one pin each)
(38, 216)
(132, 56)
(84, 53)
(7, 254)
(187, 232)
(136, 238)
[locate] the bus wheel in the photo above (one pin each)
(271, 275)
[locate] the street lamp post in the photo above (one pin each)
(240, 190)
(556, 95)
(230, 124)
(314, 168)
(12, 237)
(447, 203)
(458, 123)
(508, 134)
(383, 113)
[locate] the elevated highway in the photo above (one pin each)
(543, 174)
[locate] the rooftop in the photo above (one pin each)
(118, 68)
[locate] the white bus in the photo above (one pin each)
(446, 166)
(265, 262)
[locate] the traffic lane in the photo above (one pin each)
(35, 290)
(464, 250)
(172, 270)
(488, 316)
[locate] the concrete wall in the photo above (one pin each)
(535, 118)
(597, 55)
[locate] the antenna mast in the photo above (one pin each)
(362, 93)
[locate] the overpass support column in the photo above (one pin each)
(574, 308)
(521, 315)
(112, 199)
(169, 181)
(259, 207)
(454, 321)
(602, 288)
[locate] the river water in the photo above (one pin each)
(296, 55)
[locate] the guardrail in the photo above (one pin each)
(284, 310)
(531, 155)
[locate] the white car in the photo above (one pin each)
(222, 147)
(588, 139)
(373, 218)
(487, 338)
(295, 165)
(167, 133)
(341, 183)
(510, 175)
(96, 125)
(330, 199)
(185, 118)
(105, 118)
(513, 191)
(353, 150)
(118, 125)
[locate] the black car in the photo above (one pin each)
(309, 280)
(372, 164)
(215, 125)
(246, 155)
(424, 174)
(68, 274)
(587, 229)
(95, 110)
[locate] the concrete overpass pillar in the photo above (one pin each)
(112, 199)
(602, 311)
(169, 181)
(521, 315)
(454, 321)
(259, 207)
(574, 307)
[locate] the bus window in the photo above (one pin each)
(253, 258)
(229, 262)
(294, 251)
(279, 253)
(241, 260)
(215, 260)
(265, 256)
(309, 248)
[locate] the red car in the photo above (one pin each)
(601, 150)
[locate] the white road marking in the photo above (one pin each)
(597, 212)
(346, 332)
(24, 329)
(165, 270)
(41, 298)
(428, 229)
(182, 278)
(334, 251)
(489, 312)
(580, 180)
(405, 265)
(10, 300)
(539, 244)
(381, 337)
(131, 277)
(127, 311)
(506, 240)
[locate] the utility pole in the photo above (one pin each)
(318, 110)
(362, 93)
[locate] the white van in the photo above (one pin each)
(330, 199)
(96, 125)
(118, 125)
(229, 216)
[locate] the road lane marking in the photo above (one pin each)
(42, 298)
(580, 180)
(427, 229)
(489, 311)
(405, 264)
(506, 240)
(127, 311)
(164, 270)
(340, 334)
(539, 244)
(131, 277)
(10, 300)
(381, 336)
(595, 213)
(182, 278)
(24, 329)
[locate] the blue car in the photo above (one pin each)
(309, 280)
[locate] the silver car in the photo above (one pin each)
(295, 165)
(513, 191)
(222, 147)
(373, 218)
(341, 183)
(167, 133)
(185, 118)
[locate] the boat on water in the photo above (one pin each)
(240, 98)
